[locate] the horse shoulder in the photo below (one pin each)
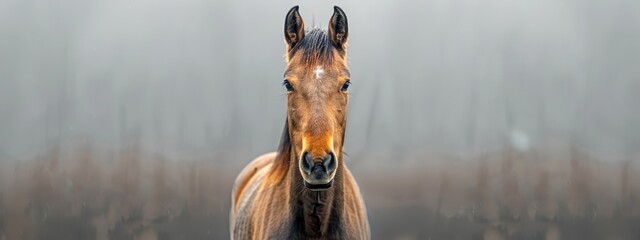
(247, 175)
(258, 211)
(354, 207)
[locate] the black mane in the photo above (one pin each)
(316, 47)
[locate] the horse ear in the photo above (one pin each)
(293, 27)
(338, 28)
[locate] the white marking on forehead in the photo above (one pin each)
(318, 71)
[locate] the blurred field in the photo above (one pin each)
(90, 194)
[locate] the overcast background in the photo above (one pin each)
(193, 80)
(206, 75)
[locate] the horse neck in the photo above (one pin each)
(315, 213)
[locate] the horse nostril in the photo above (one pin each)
(329, 162)
(318, 167)
(307, 162)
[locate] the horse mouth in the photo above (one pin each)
(318, 187)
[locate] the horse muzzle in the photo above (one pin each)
(318, 173)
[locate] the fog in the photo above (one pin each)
(463, 86)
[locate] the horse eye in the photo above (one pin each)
(288, 86)
(346, 84)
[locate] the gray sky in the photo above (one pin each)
(204, 77)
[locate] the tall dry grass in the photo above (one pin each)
(128, 194)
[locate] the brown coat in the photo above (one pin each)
(304, 190)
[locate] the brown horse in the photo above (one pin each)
(304, 190)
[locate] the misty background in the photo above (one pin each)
(437, 85)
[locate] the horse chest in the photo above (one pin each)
(281, 222)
